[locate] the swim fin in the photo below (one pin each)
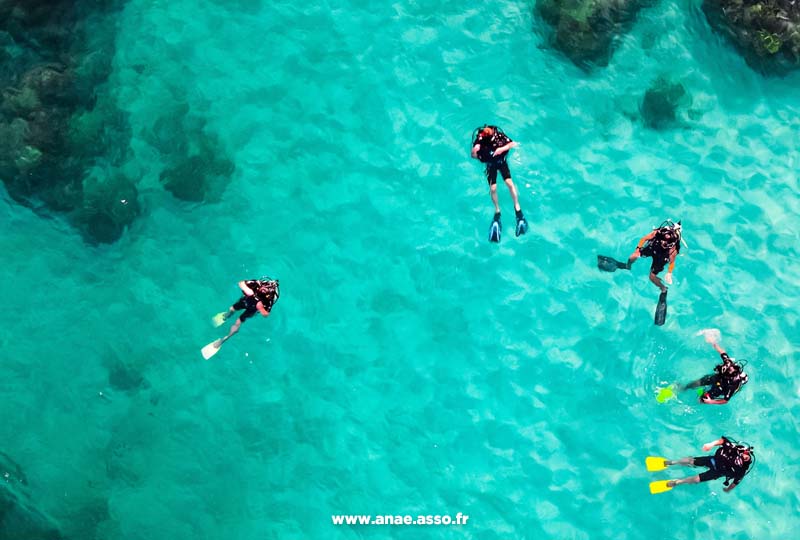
(220, 318)
(661, 309)
(665, 394)
(659, 486)
(212, 348)
(655, 463)
(495, 229)
(522, 224)
(607, 264)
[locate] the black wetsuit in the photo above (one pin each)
(248, 303)
(486, 154)
(726, 461)
(724, 382)
(660, 250)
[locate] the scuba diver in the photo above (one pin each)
(258, 295)
(490, 146)
(732, 461)
(662, 244)
(727, 379)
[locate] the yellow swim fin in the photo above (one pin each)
(219, 319)
(655, 463)
(665, 394)
(659, 486)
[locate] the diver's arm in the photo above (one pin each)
(709, 401)
(712, 444)
(733, 484)
(719, 349)
(245, 289)
(645, 238)
(636, 252)
(475, 151)
(672, 255)
(505, 148)
(263, 310)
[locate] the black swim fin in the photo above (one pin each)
(522, 224)
(661, 309)
(607, 264)
(495, 229)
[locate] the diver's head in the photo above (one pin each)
(270, 287)
(486, 132)
(669, 237)
(745, 453)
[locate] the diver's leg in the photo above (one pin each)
(657, 282)
(702, 381)
(493, 193)
(690, 480)
(635, 255)
(686, 462)
(514, 194)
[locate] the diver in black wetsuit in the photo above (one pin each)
(258, 295)
(727, 379)
(662, 244)
(491, 146)
(732, 460)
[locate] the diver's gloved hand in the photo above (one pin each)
(668, 278)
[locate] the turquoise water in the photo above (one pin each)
(411, 367)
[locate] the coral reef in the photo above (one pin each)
(661, 102)
(55, 128)
(584, 30)
(124, 377)
(766, 32)
(18, 517)
(196, 169)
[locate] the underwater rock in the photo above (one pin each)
(170, 133)
(109, 205)
(196, 170)
(53, 134)
(661, 102)
(51, 83)
(48, 26)
(766, 32)
(123, 377)
(87, 519)
(95, 133)
(584, 30)
(10, 471)
(19, 519)
(27, 167)
(197, 178)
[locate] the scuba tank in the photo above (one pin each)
(488, 144)
(731, 453)
(667, 229)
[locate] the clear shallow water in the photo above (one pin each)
(410, 366)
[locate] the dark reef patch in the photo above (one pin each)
(586, 30)
(766, 32)
(661, 103)
(56, 123)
